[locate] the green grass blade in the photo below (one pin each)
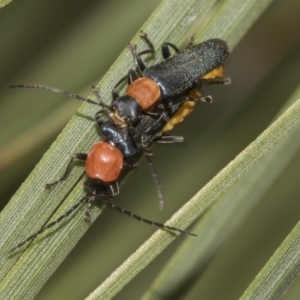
(279, 272)
(4, 2)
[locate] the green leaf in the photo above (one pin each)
(279, 272)
(4, 2)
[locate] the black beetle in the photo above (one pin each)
(172, 80)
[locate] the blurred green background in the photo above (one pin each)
(70, 45)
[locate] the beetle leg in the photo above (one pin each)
(132, 76)
(77, 156)
(115, 94)
(206, 99)
(225, 80)
(156, 180)
(103, 196)
(155, 129)
(137, 56)
(169, 139)
(88, 206)
(145, 38)
(129, 165)
(165, 50)
(192, 41)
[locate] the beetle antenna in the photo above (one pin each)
(96, 92)
(85, 199)
(65, 93)
(43, 228)
(131, 214)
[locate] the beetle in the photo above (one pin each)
(172, 81)
(116, 153)
(153, 104)
(106, 160)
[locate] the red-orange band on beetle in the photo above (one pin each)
(145, 90)
(104, 162)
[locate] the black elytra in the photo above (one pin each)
(175, 77)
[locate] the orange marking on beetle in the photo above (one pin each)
(215, 73)
(182, 112)
(104, 162)
(145, 90)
